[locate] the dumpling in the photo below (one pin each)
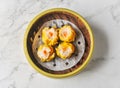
(50, 36)
(67, 33)
(65, 50)
(45, 53)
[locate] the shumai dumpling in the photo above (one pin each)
(50, 36)
(67, 33)
(65, 50)
(45, 53)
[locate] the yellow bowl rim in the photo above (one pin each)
(59, 75)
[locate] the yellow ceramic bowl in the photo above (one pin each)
(52, 14)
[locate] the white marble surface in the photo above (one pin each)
(102, 72)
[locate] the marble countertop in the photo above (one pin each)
(103, 70)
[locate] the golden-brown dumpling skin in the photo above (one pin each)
(50, 36)
(45, 53)
(65, 50)
(67, 33)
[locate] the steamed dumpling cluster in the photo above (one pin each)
(50, 37)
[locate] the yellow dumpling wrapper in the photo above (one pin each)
(45, 53)
(65, 50)
(67, 33)
(50, 36)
